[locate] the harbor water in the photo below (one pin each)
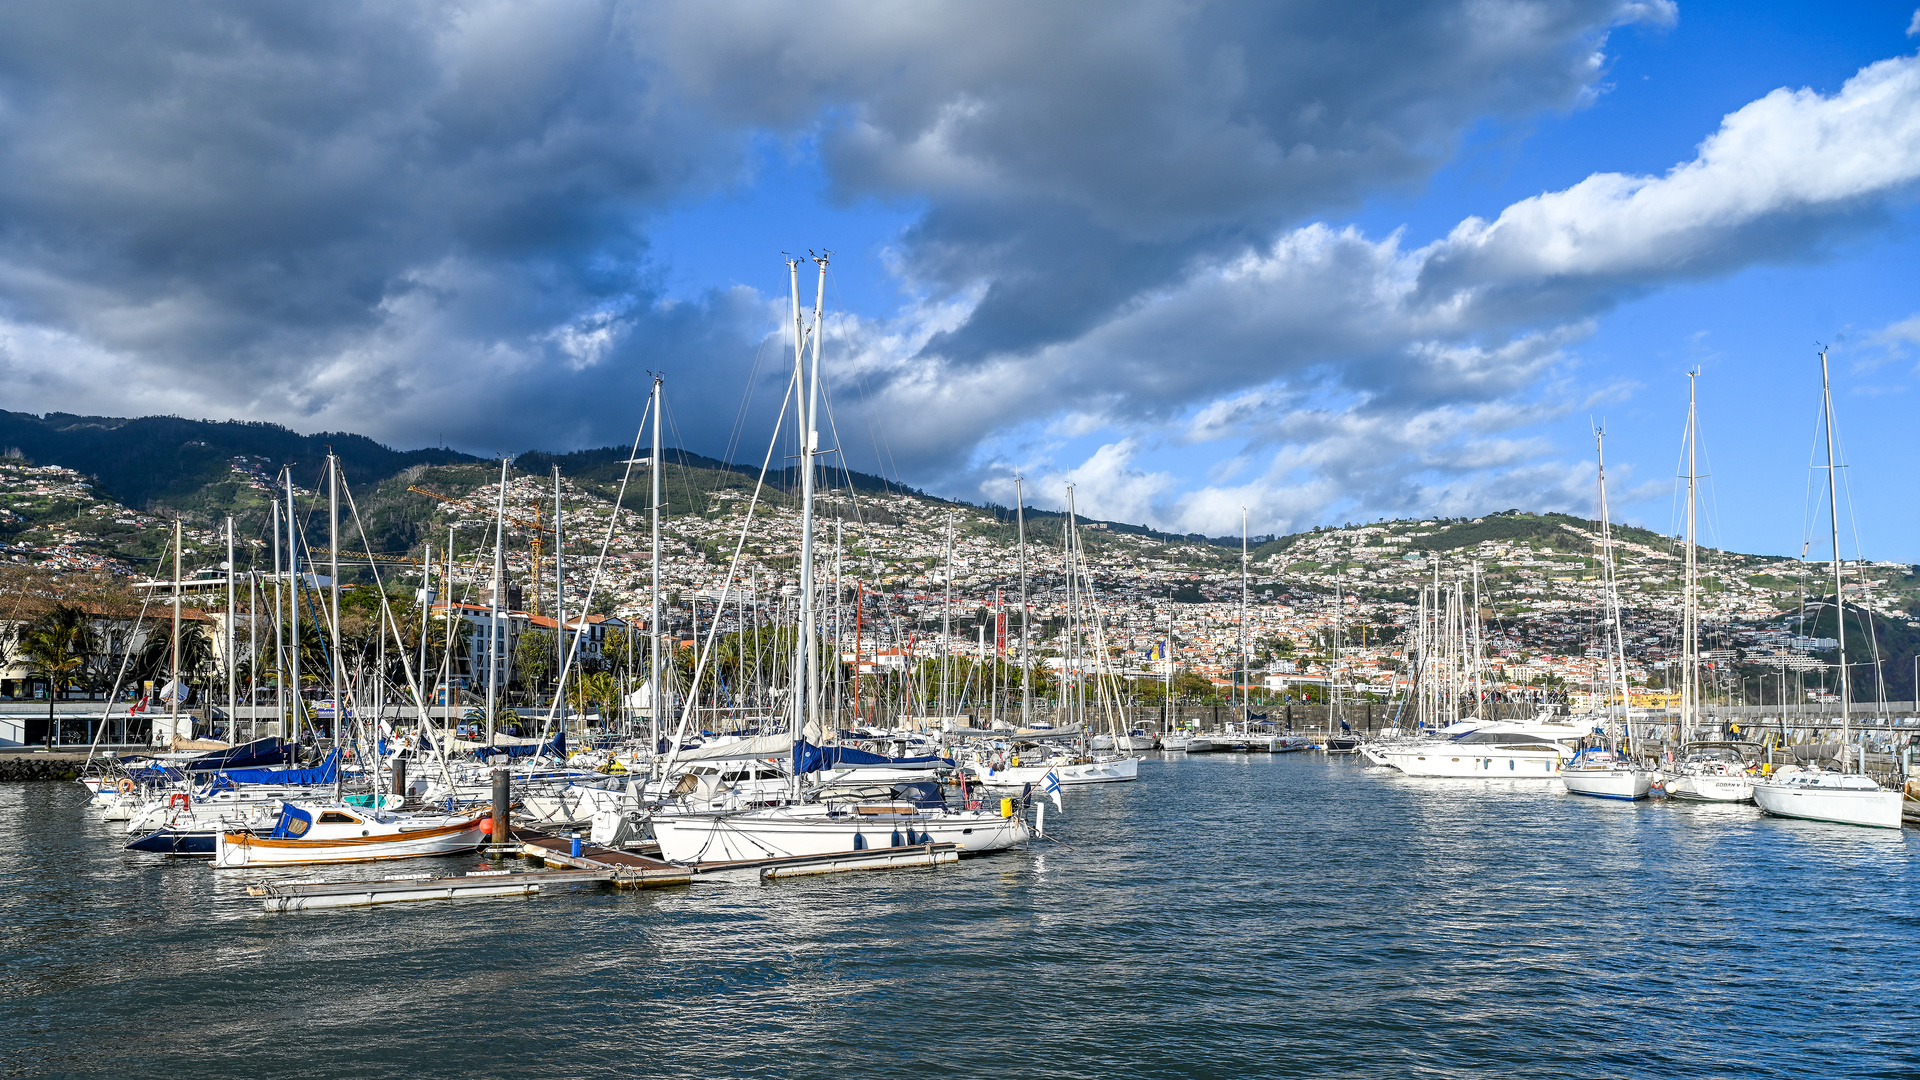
(1226, 916)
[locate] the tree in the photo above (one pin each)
(155, 661)
(533, 657)
(58, 647)
(594, 689)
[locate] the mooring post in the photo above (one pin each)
(400, 778)
(502, 805)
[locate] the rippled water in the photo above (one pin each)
(1226, 916)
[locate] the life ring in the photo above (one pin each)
(179, 800)
(124, 786)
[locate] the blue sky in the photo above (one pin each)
(1325, 261)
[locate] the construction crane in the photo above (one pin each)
(538, 543)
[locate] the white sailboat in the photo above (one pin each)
(1821, 794)
(1704, 775)
(813, 826)
(1606, 773)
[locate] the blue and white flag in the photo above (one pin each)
(1053, 789)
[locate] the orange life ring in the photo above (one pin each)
(179, 800)
(125, 785)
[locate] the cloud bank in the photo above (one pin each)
(429, 220)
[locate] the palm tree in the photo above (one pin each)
(58, 646)
(155, 661)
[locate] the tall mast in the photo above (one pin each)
(809, 673)
(559, 595)
(293, 608)
(946, 628)
(1246, 695)
(233, 699)
(279, 646)
(173, 708)
(1333, 673)
(659, 637)
(1073, 636)
(1839, 590)
(493, 604)
(1608, 572)
(1026, 674)
(333, 546)
(1690, 612)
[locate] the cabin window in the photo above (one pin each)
(334, 817)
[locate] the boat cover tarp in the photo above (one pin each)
(324, 773)
(815, 758)
(777, 745)
(246, 756)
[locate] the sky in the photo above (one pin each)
(1306, 262)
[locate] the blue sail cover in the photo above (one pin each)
(248, 756)
(815, 758)
(323, 773)
(556, 747)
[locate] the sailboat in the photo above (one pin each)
(810, 824)
(1611, 772)
(1701, 776)
(1815, 793)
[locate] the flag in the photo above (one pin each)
(1053, 789)
(1159, 651)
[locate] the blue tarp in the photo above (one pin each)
(557, 747)
(814, 758)
(293, 824)
(251, 755)
(323, 773)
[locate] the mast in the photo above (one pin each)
(1026, 673)
(1690, 612)
(333, 545)
(1333, 673)
(946, 628)
(173, 707)
(1246, 695)
(293, 607)
(1608, 572)
(1071, 671)
(809, 673)
(493, 602)
(559, 596)
(659, 639)
(233, 699)
(279, 646)
(1839, 589)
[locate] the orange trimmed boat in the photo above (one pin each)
(337, 833)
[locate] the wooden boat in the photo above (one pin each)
(337, 833)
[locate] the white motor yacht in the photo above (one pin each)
(1486, 752)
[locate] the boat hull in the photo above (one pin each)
(705, 838)
(1626, 785)
(1873, 808)
(1118, 770)
(1453, 763)
(239, 849)
(1710, 789)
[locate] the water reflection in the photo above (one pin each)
(1234, 915)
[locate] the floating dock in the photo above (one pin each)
(309, 895)
(623, 869)
(634, 870)
(845, 862)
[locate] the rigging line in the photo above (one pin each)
(733, 566)
(126, 657)
(745, 408)
(593, 584)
